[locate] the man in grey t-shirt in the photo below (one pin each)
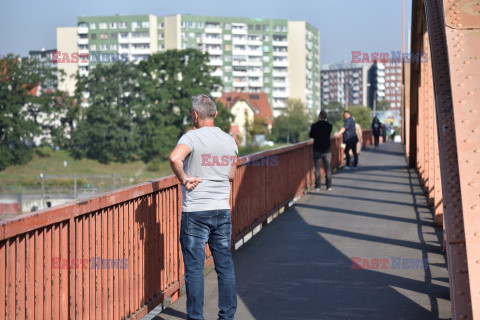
(204, 161)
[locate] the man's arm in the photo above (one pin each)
(340, 132)
(179, 153)
(233, 171)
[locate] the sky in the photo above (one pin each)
(344, 25)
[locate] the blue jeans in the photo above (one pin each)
(215, 228)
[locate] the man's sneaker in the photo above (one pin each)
(347, 168)
(329, 189)
(355, 168)
(316, 190)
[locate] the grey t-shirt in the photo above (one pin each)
(212, 154)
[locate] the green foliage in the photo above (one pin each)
(44, 151)
(224, 118)
(335, 115)
(293, 124)
(22, 108)
(169, 80)
(362, 116)
(108, 133)
(249, 148)
(382, 105)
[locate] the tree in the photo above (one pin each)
(108, 131)
(362, 116)
(169, 80)
(383, 105)
(293, 124)
(224, 118)
(25, 110)
(335, 115)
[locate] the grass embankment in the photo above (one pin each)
(27, 176)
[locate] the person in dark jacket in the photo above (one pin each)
(320, 132)
(350, 139)
(376, 128)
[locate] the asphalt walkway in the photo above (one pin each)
(300, 266)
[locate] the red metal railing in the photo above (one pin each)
(47, 271)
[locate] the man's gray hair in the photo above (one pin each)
(205, 106)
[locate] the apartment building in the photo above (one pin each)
(279, 57)
(45, 60)
(346, 83)
(386, 80)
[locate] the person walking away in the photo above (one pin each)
(204, 161)
(376, 128)
(350, 139)
(320, 131)
(384, 132)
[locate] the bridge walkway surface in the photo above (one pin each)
(300, 265)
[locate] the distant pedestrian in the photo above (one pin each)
(376, 130)
(204, 161)
(350, 139)
(385, 129)
(320, 132)
(392, 134)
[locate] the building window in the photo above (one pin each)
(93, 26)
(103, 47)
(113, 25)
(184, 46)
(266, 79)
(201, 25)
(266, 69)
(227, 26)
(227, 79)
(183, 24)
(284, 28)
(227, 58)
(114, 35)
(93, 36)
(228, 69)
(276, 28)
(266, 28)
(161, 25)
(135, 25)
(250, 27)
(145, 24)
(103, 36)
(161, 47)
(184, 35)
(228, 47)
(113, 46)
(93, 47)
(191, 35)
(266, 49)
(192, 25)
(161, 36)
(258, 27)
(122, 25)
(103, 25)
(266, 59)
(227, 37)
